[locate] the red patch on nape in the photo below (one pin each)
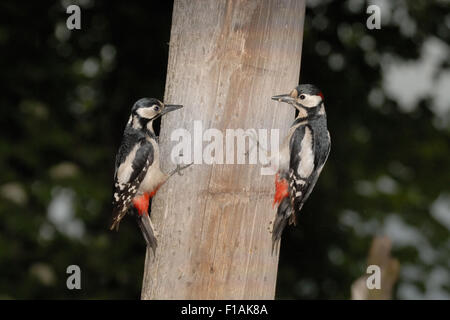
(321, 95)
(281, 190)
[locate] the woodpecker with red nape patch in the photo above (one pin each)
(137, 175)
(302, 155)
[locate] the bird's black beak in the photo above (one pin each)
(170, 107)
(284, 98)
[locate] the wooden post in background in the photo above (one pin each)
(379, 255)
(226, 60)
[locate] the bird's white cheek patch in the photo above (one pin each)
(147, 113)
(306, 166)
(310, 101)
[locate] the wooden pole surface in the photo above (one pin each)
(226, 60)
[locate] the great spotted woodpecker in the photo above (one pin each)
(137, 174)
(302, 155)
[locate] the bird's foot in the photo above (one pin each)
(179, 168)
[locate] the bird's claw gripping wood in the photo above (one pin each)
(179, 168)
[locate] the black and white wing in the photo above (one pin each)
(132, 163)
(302, 173)
(308, 154)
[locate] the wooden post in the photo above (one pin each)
(379, 255)
(226, 60)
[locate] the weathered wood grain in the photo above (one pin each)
(226, 59)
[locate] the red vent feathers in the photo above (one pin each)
(281, 190)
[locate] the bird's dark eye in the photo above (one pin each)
(302, 97)
(156, 108)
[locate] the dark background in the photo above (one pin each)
(66, 95)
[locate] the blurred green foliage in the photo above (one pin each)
(67, 94)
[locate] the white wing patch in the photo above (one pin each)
(306, 165)
(126, 168)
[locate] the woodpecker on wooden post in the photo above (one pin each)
(137, 175)
(302, 155)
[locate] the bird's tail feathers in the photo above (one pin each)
(284, 214)
(146, 226)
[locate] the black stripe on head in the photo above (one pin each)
(145, 103)
(308, 89)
